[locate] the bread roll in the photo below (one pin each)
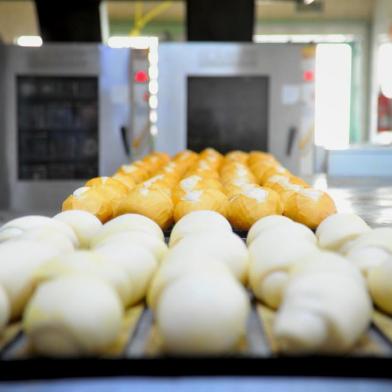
(325, 309)
(128, 222)
(266, 223)
(46, 235)
(250, 205)
(309, 206)
(87, 263)
(18, 226)
(237, 156)
(127, 181)
(379, 283)
(208, 199)
(116, 187)
(199, 315)
(73, 316)
(334, 231)
(137, 263)
(5, 309)
(84, 224)
(178, 265)
(18, 261)
(147, 241)
(277, 234)
(379, 238)
(137, 173)
(367, 257)
(155, 204)
(226, 247)
(90, 200)
(270, 264)
(275, 170)
(198, 222)
(192, 183)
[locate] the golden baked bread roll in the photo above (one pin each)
(112, 190)
(198, 222)
(237, 156)
(128, 181)
(107, 182)
(251, 204)
(379, 282)
(136, 172)
(277, 170)
(325, 309)
(73, 316)
(90, 200)
(337, 229)
(309, 206)
(200, 314)
(153, 202)
(192, 183)
(205, 199)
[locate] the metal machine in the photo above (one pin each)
(67, 116)
(238, 96)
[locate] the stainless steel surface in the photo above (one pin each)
(283, 64)
(110, 66)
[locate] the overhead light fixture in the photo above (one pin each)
(29, 40)
(308, 2)
(132, 42)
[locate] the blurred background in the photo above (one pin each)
(87, 86)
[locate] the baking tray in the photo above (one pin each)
(138, 352)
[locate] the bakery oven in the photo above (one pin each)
(66, 115)
(238, 96)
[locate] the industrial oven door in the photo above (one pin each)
(64, 108)
(237, 96)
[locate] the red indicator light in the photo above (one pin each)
(308, 76)
(140, 77)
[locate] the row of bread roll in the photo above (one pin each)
(248, 202)
(153, 197)
(114, 274)
(300, 202)
(321, 298)
(200, 188)
(368, 249)
(102, 196)
(199, 305)
(25, 244)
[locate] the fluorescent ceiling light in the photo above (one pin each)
(29, 40)
(132, 42)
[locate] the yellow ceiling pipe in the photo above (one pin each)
(141, 20)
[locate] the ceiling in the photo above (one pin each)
(17, 17)
(266, 10)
